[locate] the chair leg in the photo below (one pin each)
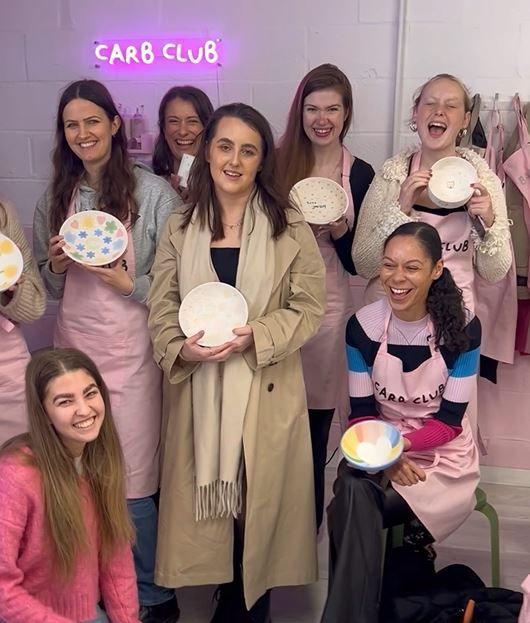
(491, 514)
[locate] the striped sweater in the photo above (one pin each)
(408, 342)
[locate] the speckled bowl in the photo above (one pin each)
(449, 186)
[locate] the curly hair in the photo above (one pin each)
(445, 304)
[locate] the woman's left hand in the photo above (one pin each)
(480, 205)
(244, 339)
(115, 276)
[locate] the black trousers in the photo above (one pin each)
(320, 424)
(360, 509)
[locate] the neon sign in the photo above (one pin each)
(130, 52)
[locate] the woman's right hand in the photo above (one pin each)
(412, 188)
(59, 261)
(191, 351)
(405, 472)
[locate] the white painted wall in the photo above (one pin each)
(269, 46)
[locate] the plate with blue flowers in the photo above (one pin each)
(94, 238)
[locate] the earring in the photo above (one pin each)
(413, 126)
(462, 132)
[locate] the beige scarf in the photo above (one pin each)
(220, 392)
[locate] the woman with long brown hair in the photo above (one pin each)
(102, 310)
(236, 503)
(182, 116)
(66, 531)
(312, 146)
(21, 303)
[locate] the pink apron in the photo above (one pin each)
(517, 168)
(112, 330)
(447, 496)
(14, 357)
(495, 143)
(496, 303)
(323, 356)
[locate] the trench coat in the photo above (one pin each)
(279, 515)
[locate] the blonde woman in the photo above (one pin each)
(22, 303)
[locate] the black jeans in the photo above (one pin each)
(357, 514)
(319, 424)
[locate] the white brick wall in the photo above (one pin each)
(268, 46)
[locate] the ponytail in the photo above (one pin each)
(445, 306)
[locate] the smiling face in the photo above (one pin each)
(182, 128)
(76, 409)
(407, 273)
(88, 132)
(323, 117)
(440, 115)
(234, 154)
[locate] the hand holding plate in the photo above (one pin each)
(480, 205)
(115, 276)
(244, 339)
(192, 351)
(59, 261)
(411, 189)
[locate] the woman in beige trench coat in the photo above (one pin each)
(237, 211)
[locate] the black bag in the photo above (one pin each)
(414, 593)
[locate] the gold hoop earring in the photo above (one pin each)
(413, 126)
(462, 133)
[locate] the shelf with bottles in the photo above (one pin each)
(139, 140)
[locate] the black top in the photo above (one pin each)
(225, 261)
(361, 176)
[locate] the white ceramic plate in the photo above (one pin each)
(321, 200)
(215, 308)
(94, 238)
(449, 186)
(11, 263)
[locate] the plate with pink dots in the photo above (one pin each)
(94, 238)
(321, 200)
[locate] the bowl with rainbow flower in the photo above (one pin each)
(372, 445)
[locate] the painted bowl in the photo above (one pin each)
(449, 186)
(372, 445)
(11, 263)
(320, 200)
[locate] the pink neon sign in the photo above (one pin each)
(131, 52)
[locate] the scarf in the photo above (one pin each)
(221, 391)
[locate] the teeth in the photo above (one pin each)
(85, 423)
(179, 142)
(398, 291)
(89, 144)
(437, 125)
(322, 131)
(232, 174)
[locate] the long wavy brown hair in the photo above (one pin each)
(116, 192)
(202, 189)
(295, 153)
(162, 156)
(102, 461)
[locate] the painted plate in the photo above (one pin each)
(215, 308)
(94, 238)
(372, 445)
(320, 199)
(11, 263)
(449, 186)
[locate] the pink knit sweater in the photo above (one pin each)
(30, 591)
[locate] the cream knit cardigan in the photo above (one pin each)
(380, 214)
